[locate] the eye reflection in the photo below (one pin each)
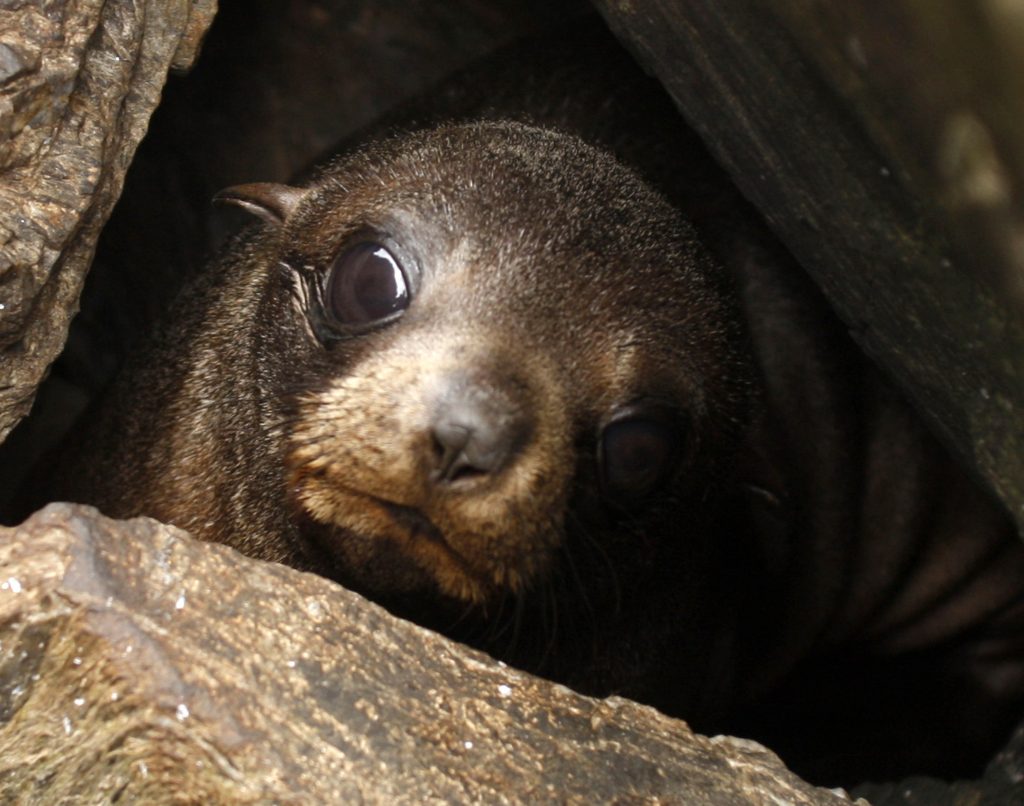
(367, 284)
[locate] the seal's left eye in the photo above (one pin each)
(366, 285)
(636, 454)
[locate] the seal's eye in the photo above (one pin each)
(366, 285)
(637, 452)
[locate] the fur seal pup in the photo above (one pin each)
(514, 368)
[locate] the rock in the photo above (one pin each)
(1002, 784)
(80, 81)
(886, 148)
(141, 665)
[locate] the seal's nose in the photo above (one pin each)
(478, 426)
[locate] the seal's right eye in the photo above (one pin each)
(366, 285)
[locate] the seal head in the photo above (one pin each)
(503, 343)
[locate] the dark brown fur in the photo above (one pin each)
(811, 523)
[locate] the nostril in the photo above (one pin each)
(450, 440)
(438, 449)
(456, 452)
(475, 431)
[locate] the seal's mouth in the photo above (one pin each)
(422, 539)
(384, 537)
(419, 526)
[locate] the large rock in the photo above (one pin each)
(79, 82)
(885, 145)
(142, 666)
(1001, 785)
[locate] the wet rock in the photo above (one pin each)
(80, 81)
(1001, 785)
(142, 665)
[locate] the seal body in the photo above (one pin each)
(521, 366)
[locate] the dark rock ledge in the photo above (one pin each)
(78, 83)
(139, 665)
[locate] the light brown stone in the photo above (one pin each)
(78, 82)
(140, 664)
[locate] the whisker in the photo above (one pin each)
(596, 548)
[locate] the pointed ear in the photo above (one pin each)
(271, 202)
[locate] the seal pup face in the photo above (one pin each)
(504, 339)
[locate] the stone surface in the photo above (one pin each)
(78, 82)
(884, 144)
(140, 665)
(1001, 785)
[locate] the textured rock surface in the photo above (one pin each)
(78, 82)
(1001, 785)
(885, 144)
(139, 664)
